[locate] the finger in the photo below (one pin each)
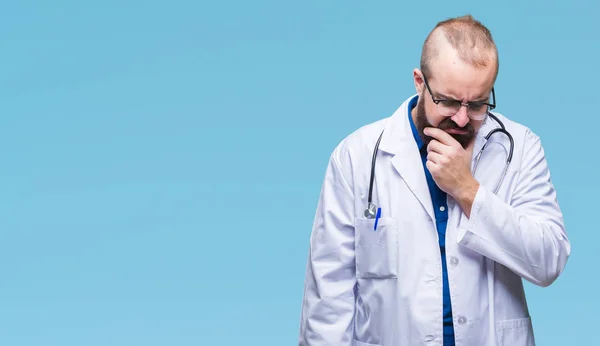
(431, 166)
(438, 147)
(441, 136)
(435, 157)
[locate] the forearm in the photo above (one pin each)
(465, 195)
(530, 240)
(328, 304)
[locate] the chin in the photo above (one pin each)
(464, 142)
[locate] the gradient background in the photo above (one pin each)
(160, 162)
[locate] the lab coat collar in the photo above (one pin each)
(397, 135)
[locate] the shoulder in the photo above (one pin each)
(356, 149)
(528, 153)
(357, 146)
(523, 135)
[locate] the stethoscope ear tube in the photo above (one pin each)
(371, 208)
(503, 130)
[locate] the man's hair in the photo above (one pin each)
(472, 41)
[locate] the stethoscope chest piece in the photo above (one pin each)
(371, 211)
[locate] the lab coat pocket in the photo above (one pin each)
(515, 332)
(376, 249)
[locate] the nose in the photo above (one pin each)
(461, 118)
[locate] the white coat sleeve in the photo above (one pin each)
(527, 235)
(328, 303)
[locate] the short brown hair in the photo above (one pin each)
(469, 37)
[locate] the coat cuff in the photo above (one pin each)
(465, 233)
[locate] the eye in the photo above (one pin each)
(478, 106)
(449, 103)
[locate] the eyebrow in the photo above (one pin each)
(445, 97)
(478, 99)
(482, 98)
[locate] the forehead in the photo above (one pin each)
(454, 78)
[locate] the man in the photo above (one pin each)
(443, 259)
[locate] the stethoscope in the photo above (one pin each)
(371, 210)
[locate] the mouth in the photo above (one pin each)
(456, 131)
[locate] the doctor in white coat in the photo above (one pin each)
(443, 261)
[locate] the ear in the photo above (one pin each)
(418, 80)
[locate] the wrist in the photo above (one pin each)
(465, 195)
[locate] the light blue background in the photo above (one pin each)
(160, 162)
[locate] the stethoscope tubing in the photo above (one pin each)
(371, 208)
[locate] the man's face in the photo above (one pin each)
(463, 135)
(452, 79)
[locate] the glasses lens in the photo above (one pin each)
(478, 112)
(448, 108)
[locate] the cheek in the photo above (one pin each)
(476, 124)
(432, 115)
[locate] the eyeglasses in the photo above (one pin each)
(475, 110)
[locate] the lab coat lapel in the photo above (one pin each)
(480, 140)
(398, 140)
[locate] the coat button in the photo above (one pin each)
(429, 338)
(453, 261)
(462, 320)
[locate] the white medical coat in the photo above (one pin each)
(384, 287)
